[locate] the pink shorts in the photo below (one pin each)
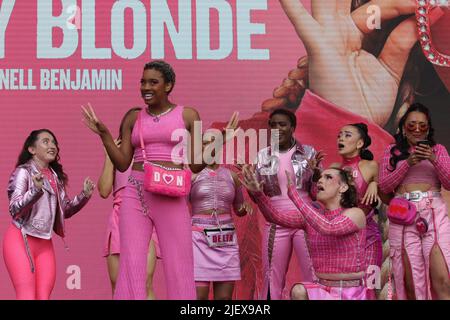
(214, 263)
(112, 241)
(317, 291)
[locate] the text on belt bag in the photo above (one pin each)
(401, 211)
(220, 237)
(172, 182)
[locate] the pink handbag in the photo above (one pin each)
(172, 182)
(401, 211)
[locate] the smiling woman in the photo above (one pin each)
(38, 204)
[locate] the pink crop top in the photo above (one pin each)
(215, 189)
(157, 135)
(435, 173)
(335, 242)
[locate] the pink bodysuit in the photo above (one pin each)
(374, 245)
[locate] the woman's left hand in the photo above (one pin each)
(232, 127)
(425, 152)
(88, 187)
(371, 195)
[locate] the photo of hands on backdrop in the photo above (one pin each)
(331, 62)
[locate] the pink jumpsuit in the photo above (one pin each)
(431, 207)
(141, 211)
(279, 240)
(374, 245)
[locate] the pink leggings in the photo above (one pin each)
(418, 248)
(277, 251)
(172, 222)
(28, 285)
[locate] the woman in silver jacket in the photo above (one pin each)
(38, 204)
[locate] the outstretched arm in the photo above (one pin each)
(120, 157)
(291, 219)
(349, 222)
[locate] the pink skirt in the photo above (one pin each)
(214, 263)
(112, 240)
(317, 291)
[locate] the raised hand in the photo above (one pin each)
(333, 36)
(315, 160)
(232, 127)
(249, 179)
(88, 187)
(91, 121)
(38, 180)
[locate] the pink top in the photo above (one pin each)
(282, 202)
(360, 184)
(157, 134)
(335, 242)
(434, 173)
(120, 180)
(215, 189)
(48, 174)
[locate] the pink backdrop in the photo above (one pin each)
(215, 88)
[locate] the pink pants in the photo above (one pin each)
(277, 247)
(28, 285)
(112, 240)
(418, 247)
(172, 221)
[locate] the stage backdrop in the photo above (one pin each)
(58, 55)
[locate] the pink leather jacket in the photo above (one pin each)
(37, 212)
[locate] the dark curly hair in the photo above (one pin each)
(25, 155)
(363, 131)
(400, 150)
(165, 69)
(350, 197)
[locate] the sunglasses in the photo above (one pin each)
(412, 126)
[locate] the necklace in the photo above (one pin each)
(156, 117)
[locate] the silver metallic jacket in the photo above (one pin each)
(37, 212)
(267, 168)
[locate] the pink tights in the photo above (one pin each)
(28, 285)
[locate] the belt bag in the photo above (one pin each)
(401, 211)
(172, 182)
(221, 237)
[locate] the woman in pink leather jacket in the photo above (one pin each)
(38, 204)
